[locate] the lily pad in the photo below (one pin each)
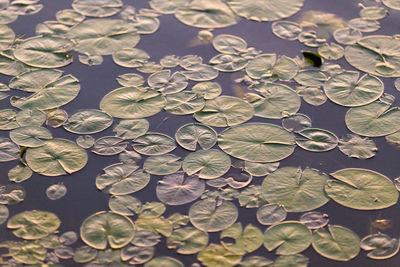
(109, 145)
(162, 164)
(95, 8)
(56, 157)
(381, 246)
(356, 146)
(314, 219)
(33, 224)
(290, 237)
(264, 10)
(207, 164)
(154, 144)
(317, 140)
(207, 216)
(257, 142)
(107, 227)
(130, 57)
(189, 135)
(225, 111)
(338, 243)
(215, 255)
(187, 240)
(132, 103)
(375, 119)
(271, 214)
(247, 240)
(88, 121)
(164, 261)
(103, 36)
(362, 189)
(176, 189)
(44, 52)
(297, 190)
(348, 90)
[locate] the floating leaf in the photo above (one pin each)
(314, 219)
(85, 254)
(207, 164)
(264, 10)
(107, 227)
(132, 103)
(271, 214)
(56, 157)
(290, 237)
(317, 140)
(297, 260)
(167, 7)
(167, 83)
(30, 136)
(19, 174)
(8, 150)
(88, 121)
(190, 134)
(187, 240)
(331, 51)
(339, 243)
(154, 144)
(8, 119)
(56, 191)
(297, 190)
(109, 145)
(69, 17)
(85, 141)
(229, 44)
(95, 8)
(286, 30)
(103, 36)
(208, 90)
(347, 90)
(258, 142)
(247, 240)
(357, 147)
(207, 216)
(184, 102)
(361, 189)
(215, 255)
(176, 189)
(375, 119)
(48, 93)
(313, 58)
(11, 194)
(4, 213)
(125, 205)
(162, 164)
(381, 246)
(33, 224)
(276, 101)
(130, 57)
(44, 52)
(267, 66)
(164, 261)
(56, 118)
(206, 14)
(296, 122)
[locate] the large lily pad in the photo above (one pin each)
(107, 227)
(375, 119)
(225, 111)
(33, 224)
(206, 14)
(103, 36)
(189, 135)
(187, 240)
(347, 90)
(56, 157)
(362, 189)
(132, 103)
(257, 142)
(207, 164)
(297, 190)
(376, 54)
(30, 136)
(339, 243)
(154, 144)
(44, 52)
(266, 10)
(88, 121)
(290, 237)
(176, 189)
(207, 216)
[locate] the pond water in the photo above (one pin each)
(175, 38)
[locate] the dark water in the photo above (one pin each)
(173, 37)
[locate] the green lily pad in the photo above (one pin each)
(271, 214)
(381, 246)
(362, 189)
(264, 10)
(154, 144)
(8, 150)
(125, 205)
(162, 164)
(215, 255)
(356, 146)
(206, 14)
(44, 52)
(167, 83)
(189, 135)
(109, 145)
(95, 8)
(207, 164)
(317, 140)
(132, 103)
(30, 136)
(131, 129)
(338, 243)
(33, 224)
(107, 227)
(69, 17)
(257, 142)
(247, 240)
(176, 189)
(56, 157)
(286, 29)
(130, 57)
(297, 190)
(164, 261)
(182, 103)
(297, 260)
(207, 216)
(290, 237)
(225, 111)
(88, 121)
(187, 240)
(19, 173)
(347, 90)
(375, 119)
(229, 44)
(103, 36)
(208, 90)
